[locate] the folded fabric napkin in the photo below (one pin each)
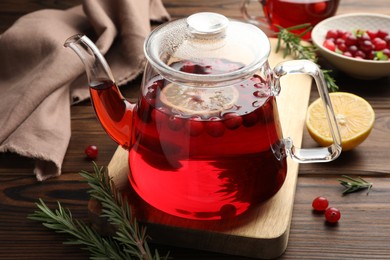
(40, 79)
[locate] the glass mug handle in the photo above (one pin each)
(253, 19)
(308, 155)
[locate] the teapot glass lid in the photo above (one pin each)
(203, 37)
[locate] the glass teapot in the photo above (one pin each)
(204, 138)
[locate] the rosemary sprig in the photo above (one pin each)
(61, 221)
(293, 46)
(129, 241)
(354, 184)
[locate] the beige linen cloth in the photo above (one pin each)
(40, 79)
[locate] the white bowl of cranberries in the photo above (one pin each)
(357, 44)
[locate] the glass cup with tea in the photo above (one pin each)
(288, 13)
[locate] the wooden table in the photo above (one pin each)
(362, 233)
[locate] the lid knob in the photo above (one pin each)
(207, 23)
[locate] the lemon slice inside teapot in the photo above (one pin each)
(189, 101)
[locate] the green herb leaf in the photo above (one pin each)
(354, 184)
(379, 55)
(129, 241)
(359, 32)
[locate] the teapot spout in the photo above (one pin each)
(114, 112)
(96, 66)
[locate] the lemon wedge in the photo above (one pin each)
(198, 101)
(354, 115)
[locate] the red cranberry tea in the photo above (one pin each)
(113, 112)
(287, 13)
(205, 153)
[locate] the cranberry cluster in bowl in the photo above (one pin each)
(357, 44)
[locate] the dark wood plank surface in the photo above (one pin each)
(363, 232)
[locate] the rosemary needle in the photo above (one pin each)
(354, 184)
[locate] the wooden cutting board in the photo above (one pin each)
(264, 231)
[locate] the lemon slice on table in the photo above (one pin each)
(355, 119)
(198, 101)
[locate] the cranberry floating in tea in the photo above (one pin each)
(204, 138)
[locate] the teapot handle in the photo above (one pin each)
(308, 155)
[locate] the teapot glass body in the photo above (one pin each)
(204, 137)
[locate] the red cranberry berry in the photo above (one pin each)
(372, 34)
(215, 127)
(366, 46)
(387, 40)
(379, 44)
(342, 34)
(331, 34)
(188, 67)
(342, 47)
(332, 215)
(360, 54)
(352, 49)
(320, 203)
(347, 53)
(228, 211)
(91, 151)
(351, 40)
(195, 126)
(330, 45)
(382, 34)
(175, 123)
(232, 120)
(250, 119)
(320, 7)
